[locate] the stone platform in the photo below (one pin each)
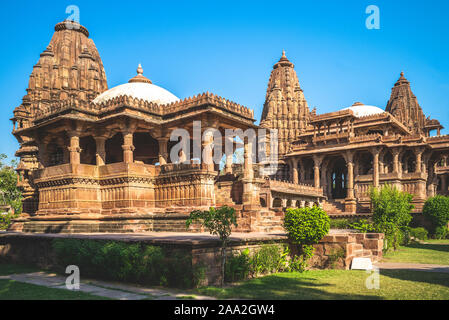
(336, 250)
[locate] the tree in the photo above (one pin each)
(10, 194)
(219, 222)
(391, 213)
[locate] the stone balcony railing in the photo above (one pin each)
(289, 187)
(332, 136)
(145, 106)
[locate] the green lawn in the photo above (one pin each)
(338, 284)
(434, 252)
(8, 268)
(13, 290)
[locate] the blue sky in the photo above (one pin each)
(229, 48)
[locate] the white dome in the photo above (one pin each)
(141, 88)
(145, 91)
(362, 110)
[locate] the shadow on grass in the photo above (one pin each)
(418, 276)
(285, 288)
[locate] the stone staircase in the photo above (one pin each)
(334, 206)
(269, 221)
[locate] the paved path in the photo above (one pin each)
(102, 288)
(413, 266)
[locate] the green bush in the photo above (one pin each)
(237, 266)
(306, 226)
(269, 258)
(341, 223)
(441, 232)
(363, 226)
(391, 213)
(419, 233)
(436, 209)
(139, 263)
(6, 219)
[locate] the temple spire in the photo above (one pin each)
(404, 106)
(285, 107)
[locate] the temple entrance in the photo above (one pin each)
(338, 178)
(146, 148)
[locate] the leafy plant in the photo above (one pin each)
(436, 209)
(237, 266)
(306, 226)
(391, 211)
(219, 222)
(419, 233)
(122, 261)
(10, 195)
(363, 226)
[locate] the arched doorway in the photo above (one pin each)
(338, 177)
(408, 162)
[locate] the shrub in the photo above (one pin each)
(436, 209)
(267, 259)
(441, 232)
(306, 226)
(391, 212)
(6, 219)
(10, 194)
(122, 261)
(237, 266)
(340, 223)
(419, 233)
(363, 226)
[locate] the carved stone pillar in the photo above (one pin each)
(375, 153)
(350, 202)
(418, 154)
(229, 156)
(295, 171)
(250, 187)
(350, 165)
(74, 147)
(316, 170)
(100, 154)
(128, 147)
(395, 153)
(302, 171)
(163, 154)
(207, 152)
(248, 160)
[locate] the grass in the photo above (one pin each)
(9, 268)
(13, 290)
(437, 241)
(433, 252)
(338, 284)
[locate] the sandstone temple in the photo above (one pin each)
(97, 159)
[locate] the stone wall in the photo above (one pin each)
(333, 251)
(336, 251)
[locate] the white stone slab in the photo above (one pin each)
(361, 264)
